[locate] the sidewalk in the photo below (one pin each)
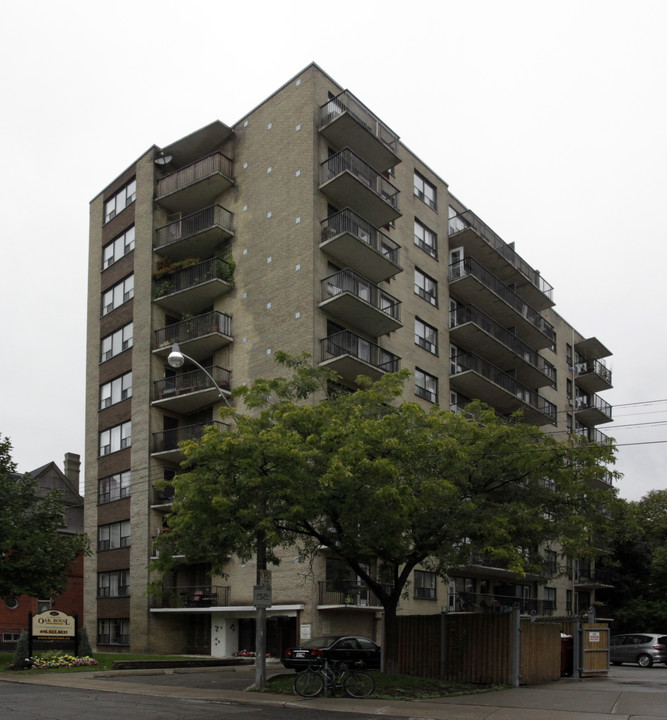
(592, 699)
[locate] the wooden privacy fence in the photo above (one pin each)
(494, 648)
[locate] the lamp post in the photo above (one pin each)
(176, 360)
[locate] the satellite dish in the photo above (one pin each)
(163, 159)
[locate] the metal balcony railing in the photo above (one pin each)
(467, 361)
(347, 221)
(469, 266)
(346, 342)
(593, 435)
(163, 495)
(593, 402)
(217, 163)
(346, 592)
(347, 161)
(191, 276)
(193, 596)
(210, 217)
(347, 102)
(193, 328)
(478, 602)
(596, 367)
(466, 314)
(469, 219)
(351, 282)
(189, 382)
(170, 439)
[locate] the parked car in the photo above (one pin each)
(641, 648)
(348, 648)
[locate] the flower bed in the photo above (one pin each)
(46, 662)
(247, 654)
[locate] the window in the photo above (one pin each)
(425, 191)
(44, 605)
(113, 631)
(120, 200)
(425, 585)
(549, 599)
(426, 336)
(115, 583)
(118, 294)
(426, 239)
(568, 355)
(114, 487)
(116, 438)
(117, 342)
(426, 386)
(118, 248)
(116, 390)
(113, 536)
(550, 562)
(426, 287)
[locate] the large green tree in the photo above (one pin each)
(388, 486)
(35, 554)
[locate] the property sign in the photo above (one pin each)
(52, 624)
(261, 596)
(593, 636)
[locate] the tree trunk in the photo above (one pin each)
(390, 639)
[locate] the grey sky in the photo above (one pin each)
(546, 119)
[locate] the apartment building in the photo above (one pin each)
(305, 226)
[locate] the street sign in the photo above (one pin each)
(261, 596)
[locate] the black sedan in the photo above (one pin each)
(347, 648)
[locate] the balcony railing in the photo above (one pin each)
(198, 222)
(468, 314)
(346, 342)
(217, 163)
(593, 435)
(194, 275)
(163, 495)
(347, 102)
(170, 439)
(470, 267)
(594, 367)
(469, 219)
(193, 328)
(190, 382)
(593, 402)
(193, 596)
(348, 281)
(469, 362)
(347, 221)
(478, 602)
(346, 592)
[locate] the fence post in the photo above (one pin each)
(576, 648)
(516, 646)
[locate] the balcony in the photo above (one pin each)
(477, 378)
(346, 122)
(356, 301)
(473, 284)
(199, 337)
(481, 602)
(592, 410)
(194, 288)
(166, 443)
(478, 240)
(591, 348)
(346, 593)
(470, 328)
(590, 579)
(592, 376)
(193, 596)
(593, 435)
(197, 184)
(355, 243)
(350, 182)
(190, 391)
(350, 355)
(195, 235)
(163, 497)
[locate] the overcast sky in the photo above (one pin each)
(547, 119)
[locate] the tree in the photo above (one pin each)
(390, 487)
(35, 554)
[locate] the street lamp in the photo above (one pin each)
(176, 360)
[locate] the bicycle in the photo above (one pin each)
(333, 675)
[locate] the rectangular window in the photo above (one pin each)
(426, 386)
(116, 390)
(426, 239)
(425, 585)
(116, 438)
(120, 200)
(426, 336)
(113, 631)
(115, 343)
(113, 536)
(118, 248)
(114, 487)
(550, 563)
(426, 287)
(44, 605)
(115, 583)
(425, 191)
(118, 294)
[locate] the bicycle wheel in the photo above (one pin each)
(359, 685)
(308, 684)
